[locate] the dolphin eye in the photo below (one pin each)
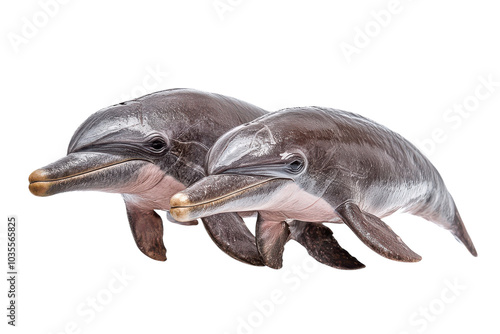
(158, 144)
(295, 166)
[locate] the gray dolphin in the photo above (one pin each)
(148, 149)
(320, 165)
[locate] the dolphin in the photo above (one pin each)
(313, 165)
(148, 149)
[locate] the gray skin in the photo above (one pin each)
(320, 165)
(148, 149)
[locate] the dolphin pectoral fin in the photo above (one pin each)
(271, 238)
(322, 246)
(376, 234)
(147, 229)
(188, 223)
(231, 235)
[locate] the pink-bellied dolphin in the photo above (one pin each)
(316, 165)
(148, 149)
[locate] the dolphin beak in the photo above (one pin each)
(84, 171)
(224, 193)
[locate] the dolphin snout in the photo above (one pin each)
(180, 207)
(85, 171)
(223, 193)
(180, 199)
(38, 185)
(37, 175)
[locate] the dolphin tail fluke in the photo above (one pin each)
(322, 246)
(460, 232)
(375, 233)
(229, 232)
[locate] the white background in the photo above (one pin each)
(407, 73)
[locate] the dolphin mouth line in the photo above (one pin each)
(233, 193)
(82, 173)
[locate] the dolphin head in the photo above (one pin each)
(253, 167)
(119, 149)
(136, 149)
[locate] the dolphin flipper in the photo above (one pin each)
(231, 235)
(375, 233)
(271, 237)
(147, 229)
(321, 245)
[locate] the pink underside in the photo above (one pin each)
(291, 202)
(152, 189)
